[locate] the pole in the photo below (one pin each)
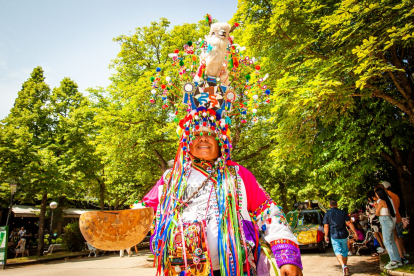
(51, 226)
(10, 209)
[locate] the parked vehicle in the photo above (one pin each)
(307, 225)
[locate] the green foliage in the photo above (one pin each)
(341, 91)
(137, 138)
(72, 238)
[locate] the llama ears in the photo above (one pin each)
(234, 26)
(209, 19)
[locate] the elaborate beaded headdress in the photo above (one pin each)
(218, 83)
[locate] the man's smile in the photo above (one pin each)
(203, 146)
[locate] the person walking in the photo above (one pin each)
(385, 211)
(335, 222)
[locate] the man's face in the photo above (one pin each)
(205, 146)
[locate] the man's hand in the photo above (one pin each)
(326, 239)
(290, 270)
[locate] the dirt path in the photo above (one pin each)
(325, 264)
(314, 263)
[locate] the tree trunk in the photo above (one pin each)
(407, 189)
(404, 167)
(42, 216)
(102, 195)
(163, 164)
(284, 200)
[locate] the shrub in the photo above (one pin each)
(73, 239)
(59, 241)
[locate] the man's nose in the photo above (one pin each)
(203, 138)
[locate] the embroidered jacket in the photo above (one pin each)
(258, 210)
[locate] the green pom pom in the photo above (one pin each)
(201, 134)
(176, 119)
(152, 79)
(189, 43)
(220, 144)
(217, 138)
(248, 77)
(181, 63)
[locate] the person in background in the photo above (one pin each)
(363, 220)
(385, 211)
(369, 242)
(398, 232)
(22, 232)
(21, 247)
(355, 238)
(335, 222)
(374, 220)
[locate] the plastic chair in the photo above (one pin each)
(91, 249)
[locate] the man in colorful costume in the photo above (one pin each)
(212, 217)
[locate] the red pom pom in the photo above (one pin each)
(176, 51)
(257, 67)
(197, 127)
(212, 128)
(236, 24)
(152, 101)
(211, 111)
(163, 86)
(225, 146)
(181, 124)
(204, 123)
(187, 133)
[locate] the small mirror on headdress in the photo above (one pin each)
(189, 87)
(230, 96)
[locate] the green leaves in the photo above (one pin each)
(322, 57)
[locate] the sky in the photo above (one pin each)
(73, 38)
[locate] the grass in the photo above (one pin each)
(35, 258)
(405, 268)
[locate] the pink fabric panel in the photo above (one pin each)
(255, 195)
(151, 199)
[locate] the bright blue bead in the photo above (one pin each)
(267, 92)
(158, 69)
(264, 227)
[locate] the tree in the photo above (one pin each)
(47, 143)
(25, 153)
(322, 56)
(137, 138)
